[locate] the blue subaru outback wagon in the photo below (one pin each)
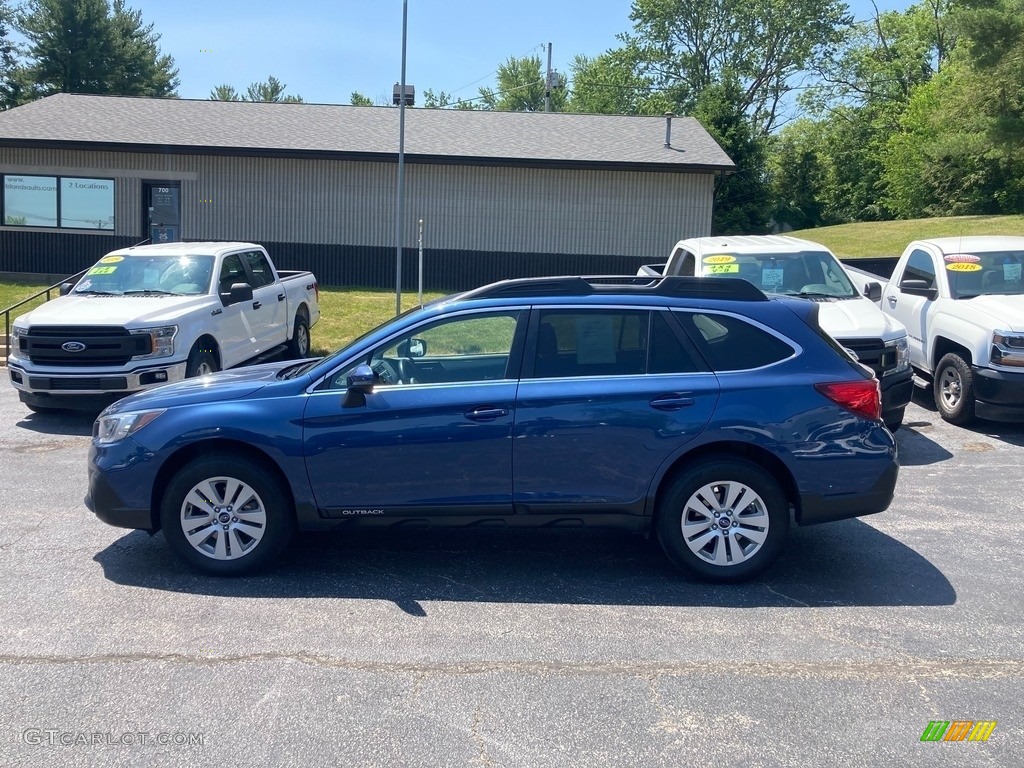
(702, 412)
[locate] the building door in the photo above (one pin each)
(161, 213)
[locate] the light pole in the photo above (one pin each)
(401, 168)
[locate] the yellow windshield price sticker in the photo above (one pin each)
(720, 259)
(101, 271)
(111, 259)
(722, 269)
(963, 267)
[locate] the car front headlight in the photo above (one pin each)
(161, 341)
(118, 426)
(1007, 349)
(902, 350)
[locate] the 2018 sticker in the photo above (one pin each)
(101, 271)
(111, 259)
(720, 259)
(722, 269)
(963, 266)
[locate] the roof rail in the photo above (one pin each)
(690, 287)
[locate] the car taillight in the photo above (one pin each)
(862, 397)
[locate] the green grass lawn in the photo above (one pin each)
(345, 313)
(889, 238)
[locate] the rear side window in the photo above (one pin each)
(262, 274)
(732, 344)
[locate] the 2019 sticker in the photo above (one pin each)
(111, 259)
(719, 259)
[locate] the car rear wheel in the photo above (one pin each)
(226, 516)
(298, 344)
(723, 519)
(954, 389)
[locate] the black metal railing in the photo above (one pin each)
(46, 291)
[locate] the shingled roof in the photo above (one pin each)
(73, 121)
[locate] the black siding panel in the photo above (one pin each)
(337, 265)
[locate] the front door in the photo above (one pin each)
(162, 211)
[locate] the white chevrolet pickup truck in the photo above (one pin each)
(783, 265)
(962, 300)
(153, 314)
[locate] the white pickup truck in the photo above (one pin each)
(153, 314)
(962, 300)
(783, 265)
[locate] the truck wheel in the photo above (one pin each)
(226, 516)
(200, 362)
(298, 344)
(723, 519)
(954, 389)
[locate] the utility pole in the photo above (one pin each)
(547, 83)
(401, 168)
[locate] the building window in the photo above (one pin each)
(67, 202)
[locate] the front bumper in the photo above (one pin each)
(60, 382)
(121, 478)
(897, 392)
(998, 395)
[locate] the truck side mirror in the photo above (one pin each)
(65, 288)
(917, 287)
(238, 293)
(873, 290)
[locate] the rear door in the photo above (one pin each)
(269, 302)
(606, 396)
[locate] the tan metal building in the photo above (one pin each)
(501, 194)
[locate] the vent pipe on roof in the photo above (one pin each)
(668, 130)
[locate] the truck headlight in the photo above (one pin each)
(1007, 349)
(118, 426)
(902, 350)
(161, 341)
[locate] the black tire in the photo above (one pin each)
(227, 540)
(765, 517)
(298, 344)
(953, 389)
(200, 362)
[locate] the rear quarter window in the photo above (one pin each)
(730, 343)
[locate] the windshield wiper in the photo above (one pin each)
(94, 292)
(149, 292)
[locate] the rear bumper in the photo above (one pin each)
(998, 395)
(816, 509)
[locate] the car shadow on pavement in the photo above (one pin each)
(848, 563)
(916, 449)
(59, 422)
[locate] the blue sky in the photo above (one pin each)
(325, 49)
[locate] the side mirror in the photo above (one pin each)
(917, 287)
(417, 347)
(238, 293)
(359, 383)
(65, 288)
(873, 290)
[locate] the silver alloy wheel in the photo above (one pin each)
(951, 387)
(223, 518)
(302, 339)
(204, 369)
(725, 523)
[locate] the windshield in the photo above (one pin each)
(992, 272)
(807, 273)
(140, 275)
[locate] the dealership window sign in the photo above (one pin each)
(54, 201)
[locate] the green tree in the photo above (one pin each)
(797, 175)
(444, 100)
(270, 89)
(359, 100)
(687, 46)
(743, 198)
(610, 84)
(85, 46)
(9, 79)
(521, 88)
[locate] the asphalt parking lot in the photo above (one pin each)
(532, 649)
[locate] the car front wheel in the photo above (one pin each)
(226, 516)
(954, 389)
(723, 519)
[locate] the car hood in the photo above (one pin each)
(217, 387)
(132, 311)
(858, 319)
(1002, 312)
